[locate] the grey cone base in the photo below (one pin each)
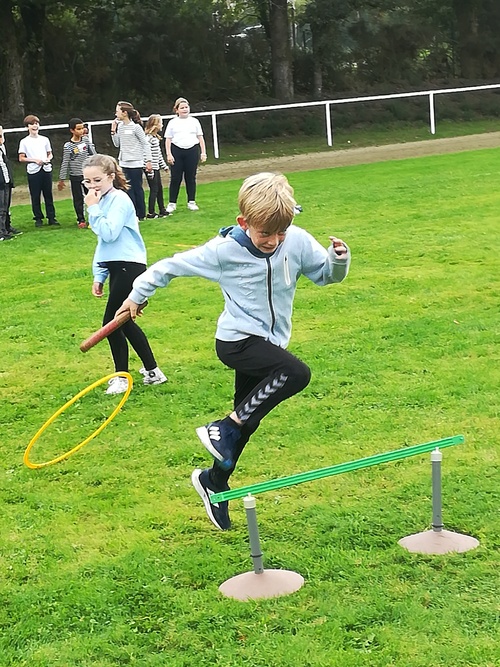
(438, 542)
(268, 584)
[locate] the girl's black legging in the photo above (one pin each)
(121, 277)
(265, 375)
(155, 192)
(186, 163)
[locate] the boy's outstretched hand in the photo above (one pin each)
(339, 246)
(135, 309)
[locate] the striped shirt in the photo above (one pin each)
(5, 169)
(134, 148)
(158, 161)
(75, 154)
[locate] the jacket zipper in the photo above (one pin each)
(288, 281)
(270, 293)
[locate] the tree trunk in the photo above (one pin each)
(317, 79)
(34, 17)
(469, 43)
(317, 64)
(281, 57)
(12, 73)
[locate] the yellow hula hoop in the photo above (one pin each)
(85, 391)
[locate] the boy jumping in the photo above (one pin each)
(257, 264)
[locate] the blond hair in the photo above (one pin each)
(109, 166)
(266, 202)
(154, 125)
(178, 102)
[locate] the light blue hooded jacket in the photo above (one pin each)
(114, 221)
(258, 288)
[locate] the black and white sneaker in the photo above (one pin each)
(218, 513)
(156, 376)
(220, 438)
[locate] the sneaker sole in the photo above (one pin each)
(195, 481)
(148, 384)
(202, 434)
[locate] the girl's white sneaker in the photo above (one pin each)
(117, 385)
(156, 376)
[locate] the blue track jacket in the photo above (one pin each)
(258, 288)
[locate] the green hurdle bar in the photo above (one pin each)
(338, 469)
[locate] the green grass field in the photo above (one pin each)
(108, 559)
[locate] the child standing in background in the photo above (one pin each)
(121, 256)
(35, 150)
(128, 135)
(75, 154)
(7, 232)
(152, 130)
(185, 147)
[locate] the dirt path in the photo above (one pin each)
(342, 158)
(210, 173)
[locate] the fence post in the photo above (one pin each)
(329, 138)
(432, 116)
(215, 136)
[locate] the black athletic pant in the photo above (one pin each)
(265, 375)
(155, 192)
(121, 277)
(186, 164)
(136, 191)
(78, 190)
(38, 184)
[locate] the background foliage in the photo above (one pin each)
(81, 56)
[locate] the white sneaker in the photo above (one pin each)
(117, 385)
(156, 376)
(171, 207)
(193, 206)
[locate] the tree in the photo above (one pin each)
(273, 15)
(11, 66)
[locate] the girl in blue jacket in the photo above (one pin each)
(257, 264)
(120, 256)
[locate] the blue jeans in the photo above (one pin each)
(136, 192)
(5, 197)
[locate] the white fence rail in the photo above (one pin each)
(326, 104)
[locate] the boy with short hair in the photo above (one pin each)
(75, 154)
(7, 232)
(35, 150)
(257, 264)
